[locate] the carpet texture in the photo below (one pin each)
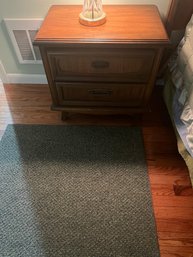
(75, 191)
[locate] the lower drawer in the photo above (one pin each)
(100, 94)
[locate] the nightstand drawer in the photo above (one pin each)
(109, 65)
(95, 94)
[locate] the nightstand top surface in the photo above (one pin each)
(125, 24)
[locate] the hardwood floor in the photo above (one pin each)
(172, 193)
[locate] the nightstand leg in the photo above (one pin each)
(65, 116)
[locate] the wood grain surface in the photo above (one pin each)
(129, 23)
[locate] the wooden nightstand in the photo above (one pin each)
(108, 69)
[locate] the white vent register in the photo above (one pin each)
(22, 33)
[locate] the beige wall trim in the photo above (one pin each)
(3, 74)
(26, 79)
(21, 78)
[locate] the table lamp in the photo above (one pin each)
(92, 13)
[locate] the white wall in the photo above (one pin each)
(38, 9)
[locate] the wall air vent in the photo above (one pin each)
(22, 33)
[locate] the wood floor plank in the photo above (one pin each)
(172, 201)
(176, 236)
(161, 189)
(174, 225)
(177, 242)
(177, 213)
(176, 251)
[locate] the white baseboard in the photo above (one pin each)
(14, 78)
(3, 74)
(27, 79)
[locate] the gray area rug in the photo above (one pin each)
(75, 191)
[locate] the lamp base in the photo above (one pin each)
(92, 22)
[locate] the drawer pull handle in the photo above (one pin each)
(100, 92)
(100, 64)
